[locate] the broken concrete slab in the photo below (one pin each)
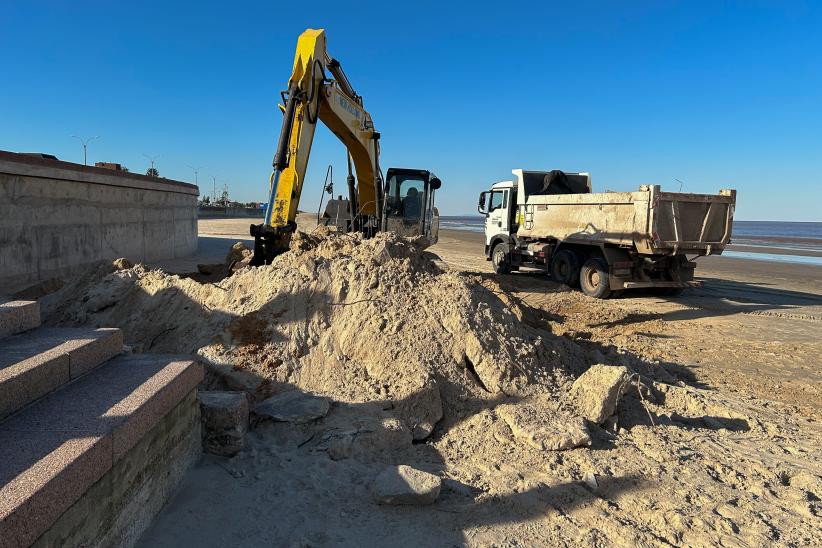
(225, 421)
(406, 485)
(596, 392)
(295, 406)
(18, 316)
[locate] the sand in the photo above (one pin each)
(714, 442)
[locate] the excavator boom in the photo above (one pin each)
(312, 97)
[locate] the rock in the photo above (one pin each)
(405, 485)
(597, 391)
(421, 409)
(295, 406)
(590, 479)
(238, 253)
(544, 431)
(122, 263)
(225, 421)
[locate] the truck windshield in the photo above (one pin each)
(405, 195)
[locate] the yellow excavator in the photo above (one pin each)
(319, 90)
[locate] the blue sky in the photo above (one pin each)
(716, 94)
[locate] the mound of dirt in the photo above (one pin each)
(351, 318)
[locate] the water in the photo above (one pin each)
(765, 238)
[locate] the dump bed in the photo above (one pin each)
(652, 221)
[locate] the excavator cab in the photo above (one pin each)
(409, 203)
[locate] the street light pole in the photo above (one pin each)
(151, 159)
(196, 171)
(85, 146)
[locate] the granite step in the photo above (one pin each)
(54, 450)
(36, 362)
(18, 316)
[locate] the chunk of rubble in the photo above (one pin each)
(295, 406)
(406, 485)
(544, 431)
(596, 392)
(225, 421)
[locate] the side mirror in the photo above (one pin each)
(435, 183)
(481, 203)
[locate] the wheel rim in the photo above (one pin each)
(498, 257)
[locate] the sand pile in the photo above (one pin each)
(355, 319)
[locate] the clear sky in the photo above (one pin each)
(716, 94)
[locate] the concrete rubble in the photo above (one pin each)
(225, 421)
(597, 391)
(403, 484)
(295, 406)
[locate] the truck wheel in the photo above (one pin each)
(501, 259)
(594, 279)
(565, 268)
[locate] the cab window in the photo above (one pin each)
(497, 200)
(405, 194)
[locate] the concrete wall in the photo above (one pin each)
(57, 216)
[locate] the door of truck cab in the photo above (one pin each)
(495, 204)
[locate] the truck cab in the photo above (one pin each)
(498, 206)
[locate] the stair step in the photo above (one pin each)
(53, 451)
(18, 316)
(34, 363)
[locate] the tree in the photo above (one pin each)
(152, 172)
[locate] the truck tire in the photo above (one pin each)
(501, 259)
(565, 267)
(594, 279)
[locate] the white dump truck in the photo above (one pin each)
(602, 242)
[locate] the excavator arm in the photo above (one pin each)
(311, 96)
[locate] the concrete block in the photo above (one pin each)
(225, 421)
(18, 316)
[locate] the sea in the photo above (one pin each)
(782, 241)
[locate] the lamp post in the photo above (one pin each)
(196, 171)
(85, 146)
(152, 159)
